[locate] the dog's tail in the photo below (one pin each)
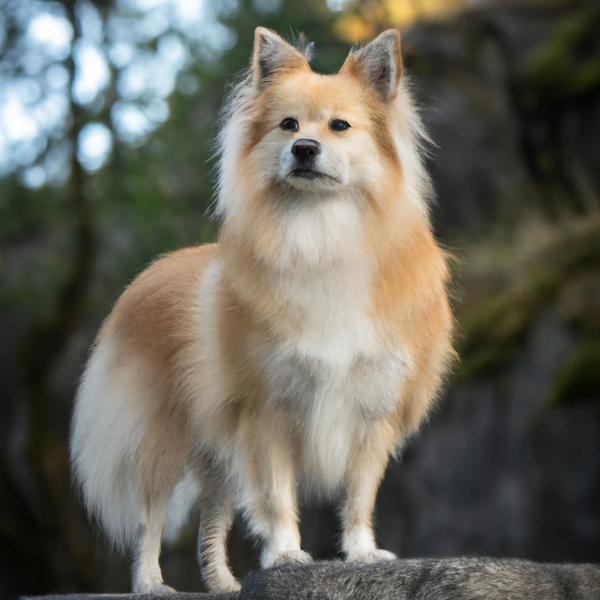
(106, 430)
(113, 450)
(110, 422)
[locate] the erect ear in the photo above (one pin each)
(378, 64)
(273, 54)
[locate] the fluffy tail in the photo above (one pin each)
(106, 431)
(110, 422)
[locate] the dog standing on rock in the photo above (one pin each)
(296, 353)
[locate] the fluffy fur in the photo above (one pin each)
(299, 351)
(427, 579)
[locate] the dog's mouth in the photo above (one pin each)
(305, 173)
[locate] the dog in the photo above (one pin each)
(298, 352)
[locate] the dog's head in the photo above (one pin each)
(308, 132)
(314, 132)
(306, 152)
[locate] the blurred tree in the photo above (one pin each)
(90, 154)
(363, 20)
(72, 97)
(41, 482)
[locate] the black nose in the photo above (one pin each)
(305, 150)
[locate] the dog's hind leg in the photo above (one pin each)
(147, 576)
(216, 517)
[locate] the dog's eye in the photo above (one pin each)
(289, 124)
(339, 125)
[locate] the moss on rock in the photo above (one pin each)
(492, 330)
(565, 271)
(579, 377)
(563, 68)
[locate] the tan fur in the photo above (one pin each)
(204, 325)
(151, 321)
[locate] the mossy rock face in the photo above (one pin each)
(566, 272)
(579, 377)
(579, 303)
(486, 361)
(564, 69)
(580, 250)
(493, 330)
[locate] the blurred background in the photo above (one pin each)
(108, 110)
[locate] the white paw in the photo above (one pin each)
(229, 587)
(224, 583)
(233, 588)
(218, 578)
(370, 556)
(289, 557)
(152, 587)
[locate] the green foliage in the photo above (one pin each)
(564, 68)
(564, 271)
(580, 303)
(493, 330)
(579, 377)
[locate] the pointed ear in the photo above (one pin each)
(272, 54)
(378, 64)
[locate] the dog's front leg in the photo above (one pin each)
(269, 495)
(364, 475)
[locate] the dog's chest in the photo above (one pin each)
(331, 404)
(334, 377)
(365, 388)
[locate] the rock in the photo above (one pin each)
(510, 97)
(416, 579)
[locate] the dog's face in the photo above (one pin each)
(316, 137)
(322, 133)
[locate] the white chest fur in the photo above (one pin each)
(334, 377)
(330, 405)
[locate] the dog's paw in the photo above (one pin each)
(298, 557)
(226, 587)
(152, 587)
(218, 578)
(370, 556)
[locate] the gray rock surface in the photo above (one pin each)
(415, 579)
